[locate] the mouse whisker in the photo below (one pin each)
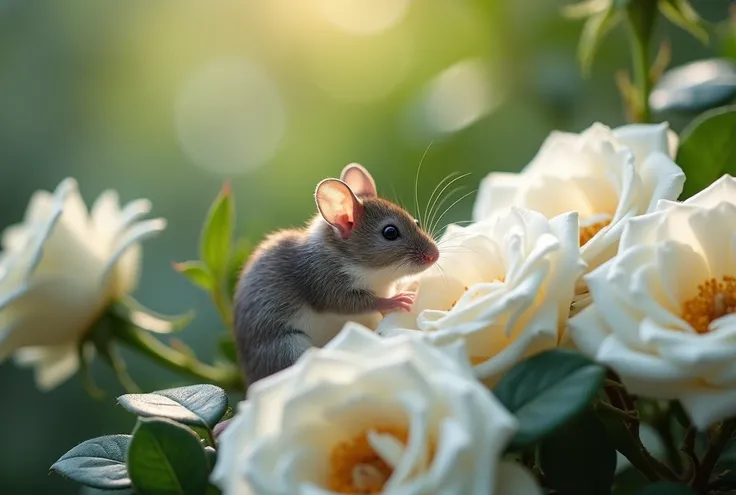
(432, 210)
(441, 204)
(428, 207)
(453, 204)
(416, 182)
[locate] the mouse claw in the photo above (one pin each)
(400, 302)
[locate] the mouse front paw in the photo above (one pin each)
(400, 302)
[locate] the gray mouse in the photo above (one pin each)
(301, 286)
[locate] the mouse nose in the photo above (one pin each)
(431, 256)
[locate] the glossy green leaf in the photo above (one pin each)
(695, 86)
(579, 459)
(197, 273)
(665, 488)
(147, 319)
(98, 462)
(217, 232)
(682, 14)
(166, 458)
(211, 455)
(201, 405)
(547, 390)
(707, 150)
(595, 29)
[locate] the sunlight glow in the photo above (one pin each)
(230, 117)
(458, 97)
(363, 17)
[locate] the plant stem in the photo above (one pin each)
(228, 378)
(641, 15)
(688, 448)
(223, 308)
(605, 407)
(711, 456)
(650, 467)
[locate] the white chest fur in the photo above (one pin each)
(322, 327)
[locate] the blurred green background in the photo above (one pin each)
(166, 99)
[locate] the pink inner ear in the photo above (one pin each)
(344, 225)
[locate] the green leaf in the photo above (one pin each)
(595, 30)
(707, 150)
(201, 405)
(147, 319)
(216, 238)
(197, 273)
(98, 462)
(227, 349)
(585, 8)
(211, 455)
(166, 458)
(547, 390)
(579, 459)
(665, 488)
(682, 14)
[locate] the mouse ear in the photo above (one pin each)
(359, 180)
(338, 205)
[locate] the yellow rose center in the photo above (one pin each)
(587, 233)
(356, 468)
(714, 300)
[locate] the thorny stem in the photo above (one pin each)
(702, 475)
(226, 377)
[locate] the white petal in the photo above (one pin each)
(136, 234)
(661, 179)
(514, 479)
(65, 316)
(641, 373)
(644, 139)
(496, 191)
(722, 190)
(707, 407)
(588, 330)
(53, 365)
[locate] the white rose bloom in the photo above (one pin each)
(605, 175)
(504, 285)
(663, 313)
(59, 269)
(371, 415)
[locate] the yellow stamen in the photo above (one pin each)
(356, 468)
(714, 299)
(587, 233)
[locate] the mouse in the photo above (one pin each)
(301, 286)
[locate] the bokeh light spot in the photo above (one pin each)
(363, 17)
(456, 98)
(230, 117)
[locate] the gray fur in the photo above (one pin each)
(292, 269)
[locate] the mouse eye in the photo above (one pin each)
(416, 222)
(390, 232)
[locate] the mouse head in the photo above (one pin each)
(371, 231)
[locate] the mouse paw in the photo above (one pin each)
(401, 302)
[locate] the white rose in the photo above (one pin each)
(504, 285)
(59, 269)
(663, 309)
(371, 415)
(605, 175)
